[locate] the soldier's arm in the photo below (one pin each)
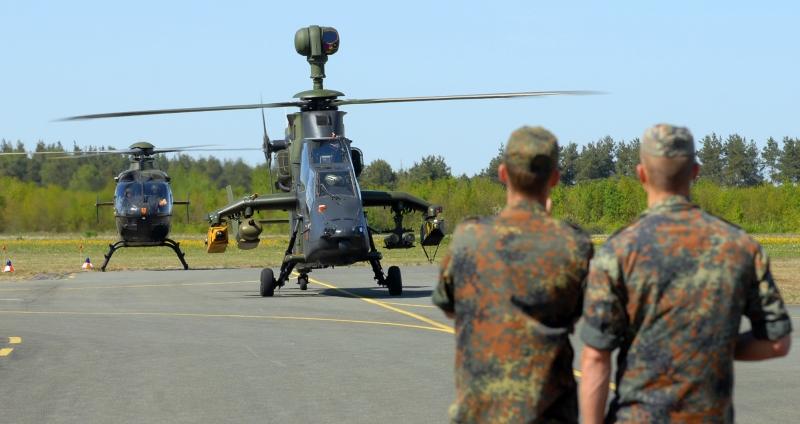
(603, 328)
(596, 371)
(443, 294)
(584, 255)
(749, 348)
(605, 317)
(769, 319)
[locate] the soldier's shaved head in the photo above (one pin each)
(668, 156)
(668, 174)
(531, 156)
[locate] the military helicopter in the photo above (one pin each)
(317, 170)
(143, 201)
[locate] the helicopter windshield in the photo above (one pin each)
(335, 183)
(328, 152)
(128, 197)
(156, 196)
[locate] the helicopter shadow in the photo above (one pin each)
(365, 292)
(377, 292)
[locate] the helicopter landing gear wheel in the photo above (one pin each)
(267, 283)
(394, 281)
(303, 281)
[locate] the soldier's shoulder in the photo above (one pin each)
(573, 230)
(627, 230)
(475, 220)
(722, 222)
(729, 230)
(473, 223)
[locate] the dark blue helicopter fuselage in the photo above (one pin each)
(143, 206)
(333, 226)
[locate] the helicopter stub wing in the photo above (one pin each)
(432, 230)
(239, 208)
(405, 201)
(246, 230)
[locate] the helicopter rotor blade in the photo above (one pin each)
(267, 150)
(208, 150)
(180, 110)
(465, 97)
(83, 155)
(189, 147)
(31, 153)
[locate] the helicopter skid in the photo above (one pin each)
(174, 245)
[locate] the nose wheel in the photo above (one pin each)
(302, 280)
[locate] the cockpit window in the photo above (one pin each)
(154, 196)
(335, 183)
(328, 152)
(129, 190)
(156, 189)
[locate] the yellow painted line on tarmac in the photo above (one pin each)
(410, 304)
(196, 315)
(136, 286)
(440, 326)
(6, 351)
(14, 340)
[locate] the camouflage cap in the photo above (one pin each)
(667, 141)
(533, 149)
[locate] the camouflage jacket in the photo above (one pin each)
(669, 291)
(515, 283)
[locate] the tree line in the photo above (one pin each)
(753, 188)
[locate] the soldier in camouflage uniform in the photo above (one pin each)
(513, 283)
(669, 291)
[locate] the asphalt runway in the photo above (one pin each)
(202, 346)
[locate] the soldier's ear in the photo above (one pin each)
(555, 177)
(695, 171)
(502, 173)
(641, 173)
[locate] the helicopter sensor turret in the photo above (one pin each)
(316, 44)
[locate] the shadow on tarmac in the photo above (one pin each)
(378, 292)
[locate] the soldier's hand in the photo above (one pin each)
(548, 205)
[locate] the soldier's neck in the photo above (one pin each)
(513, 197)
(655, 197)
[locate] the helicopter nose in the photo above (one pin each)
(340, 230)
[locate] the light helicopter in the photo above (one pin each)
(143, 202)
(317, 176)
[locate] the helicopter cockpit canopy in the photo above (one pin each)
(326, 171)
(335, 183)
(134, 197)
(327, 152)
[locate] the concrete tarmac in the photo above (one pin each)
(202, 346)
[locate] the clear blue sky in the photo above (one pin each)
(713, 66)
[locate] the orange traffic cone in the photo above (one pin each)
(87, 265)
(9, 267)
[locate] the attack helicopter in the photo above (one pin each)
(317, 180)
(143, 201)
